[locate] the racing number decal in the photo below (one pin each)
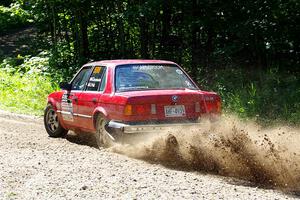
(67, 108)
(97, 70)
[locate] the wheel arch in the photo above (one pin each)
(98, 111)
(60, 131)
(52, 102)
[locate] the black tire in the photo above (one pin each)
(102, 137)
(51, 123)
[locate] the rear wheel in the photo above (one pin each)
(51, 123)
(102, 136)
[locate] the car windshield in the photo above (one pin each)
(149, 77)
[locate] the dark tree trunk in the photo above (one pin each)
(121, 39)
(209, 46)
(75, 34)
(144, 38)
(195, 52)
(82, 20)
(121, 30)
(153, 39)
(65, 27)
(165, 28)
(84, 43)
(53, 27)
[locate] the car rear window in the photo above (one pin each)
(149, 76)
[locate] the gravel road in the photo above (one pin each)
(34, 166)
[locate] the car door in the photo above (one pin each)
(69, 104)
(88, 99)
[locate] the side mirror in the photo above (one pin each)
(65, 86)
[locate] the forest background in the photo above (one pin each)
(247, 51)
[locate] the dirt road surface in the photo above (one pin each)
(34, 166)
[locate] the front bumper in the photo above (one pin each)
(148, 128)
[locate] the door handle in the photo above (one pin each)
(75, 98)
(94, 100)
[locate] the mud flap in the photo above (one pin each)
(114, 134)
(171, 147)
(171, 142)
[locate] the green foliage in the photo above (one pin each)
(62, 63)
(27, 64)
(24, 88)
(268, 97)
(248, 51)
(13, 17)
(197, 34)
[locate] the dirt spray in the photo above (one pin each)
(229, 147)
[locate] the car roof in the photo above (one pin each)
(128, 61)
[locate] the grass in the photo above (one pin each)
(24, 93)
(24, 88)
(268, 97)
(13, 17)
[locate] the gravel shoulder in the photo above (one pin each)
(34, 166)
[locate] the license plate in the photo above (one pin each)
(174, 111)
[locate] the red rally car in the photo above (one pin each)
(113, 98)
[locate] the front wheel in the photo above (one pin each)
(51, 123)
(102, 136)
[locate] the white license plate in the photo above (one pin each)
(175, 111)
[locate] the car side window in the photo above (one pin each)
(80, 80)
(95, 79)
(103, 83)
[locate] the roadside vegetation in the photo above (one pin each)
(268, 98)
(250, 58)
(24, 87)
(13, 17)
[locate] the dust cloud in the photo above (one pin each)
(229, 147)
